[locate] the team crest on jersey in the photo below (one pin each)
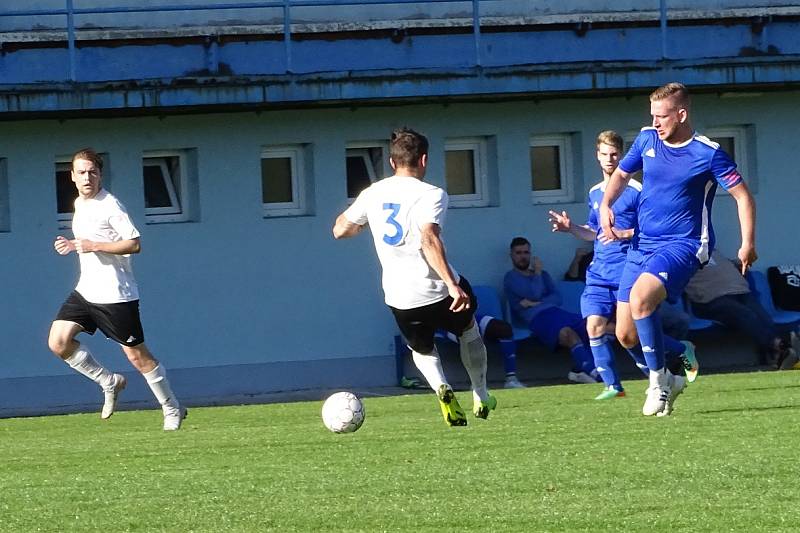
(664, 275)
(650, 153)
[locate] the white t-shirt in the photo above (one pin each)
(395, 208)
(105, 278)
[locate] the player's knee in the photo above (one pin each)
(627, 338)
(644, 302)
(140, 356)
(596, 330)
(58, 344)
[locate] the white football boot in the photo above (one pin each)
(111, 394)
(657, 394)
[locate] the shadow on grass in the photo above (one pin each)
(747, 409)
(755, 389)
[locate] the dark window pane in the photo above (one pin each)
(156, 193)
(276, 180)
(545, 168)
(358, 177)
(65, 189)
(460, 171)
(727, 144)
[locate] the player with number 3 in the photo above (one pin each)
(423, 290)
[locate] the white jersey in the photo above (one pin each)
(105, 278)
(395, 208)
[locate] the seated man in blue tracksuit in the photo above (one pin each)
(496, 329)
(535, 301)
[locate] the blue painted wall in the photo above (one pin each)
(237, 304)
(235, 288)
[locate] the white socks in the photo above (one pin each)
(431, 367)
(83, 362)
(157, 380)
(473, 357)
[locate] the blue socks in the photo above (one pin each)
(509, 349)
(638, 358)
(672, 348)
(604, 361)
(651, 337)
(582, 360)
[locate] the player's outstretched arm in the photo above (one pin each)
(433, 250)
(746, 206)
(562, 222)
(343, 228)
(124, 247)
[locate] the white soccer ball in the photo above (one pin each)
(343, 412)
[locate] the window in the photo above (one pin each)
(66, 193)
(5, 223)
(629, 138)
(466, 177)
(166, 186)
(283, 187)
(366, 163)
(733, 140)
(551, 168)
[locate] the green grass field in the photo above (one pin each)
(549, 459)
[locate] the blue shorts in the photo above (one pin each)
(598, 300)
(673, 263)
(546, 325)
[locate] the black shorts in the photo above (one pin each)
(418, 325)
(120, 322)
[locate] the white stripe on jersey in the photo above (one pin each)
(702, 252)
(705, 140)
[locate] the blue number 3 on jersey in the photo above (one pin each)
(395, 239)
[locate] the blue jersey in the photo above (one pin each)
(679, 183)
(609, 259)
(537, 288)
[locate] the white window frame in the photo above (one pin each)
(179, 211)
(361, 148)
(564, 143)
(298, 205)
(739, 134)
(480, 198)
(64, 219)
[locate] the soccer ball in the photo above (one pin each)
(343, 412)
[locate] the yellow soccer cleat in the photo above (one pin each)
(451, 411)
(481, 409)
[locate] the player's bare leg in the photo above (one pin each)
(61, 342)
(156, 377)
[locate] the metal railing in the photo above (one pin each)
(70, 11)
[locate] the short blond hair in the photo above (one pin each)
(611, 138)
(674, 90)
